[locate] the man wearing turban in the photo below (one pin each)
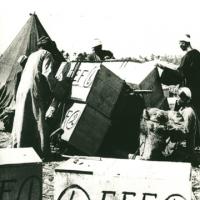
(98, 53)
(34, 93)
(187, 74)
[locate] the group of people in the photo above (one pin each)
(38, 85)
(187, 76)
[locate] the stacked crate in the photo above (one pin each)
(126, 120)
(95, 92)
(103, 117)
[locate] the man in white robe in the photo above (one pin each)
(33, 96)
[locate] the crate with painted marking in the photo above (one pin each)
(120, 179)
(84, 128)
(20, 174)
(95, 85)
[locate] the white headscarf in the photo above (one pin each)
(185, 38)
(186, 91)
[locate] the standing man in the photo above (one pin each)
(98, 53)
(187, 74)
(36, 86)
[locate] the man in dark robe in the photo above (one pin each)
(187, 74)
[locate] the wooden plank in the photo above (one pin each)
(18, 156)
(121, 179)
(20, 174)
(84, 128)
(129, 168)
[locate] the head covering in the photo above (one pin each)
(96, 42)
(22, 59)
(43, 41)
(186, 91)
(185, 38)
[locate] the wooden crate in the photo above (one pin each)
(84, 128)
(152, 82)
(122, 179)
(97, 86)
(143, 75)
(20, 174)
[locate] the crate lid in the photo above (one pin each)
(131, 72)
(11, 156)
(128, 168)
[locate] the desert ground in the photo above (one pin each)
(48, 170)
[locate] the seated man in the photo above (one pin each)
(185, 148)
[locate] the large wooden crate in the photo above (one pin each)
(143, 75)
(20, 174)
(120, 179)
(96, 85)
(84, 128)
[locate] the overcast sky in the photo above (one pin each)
(127, 27)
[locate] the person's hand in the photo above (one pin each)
(107, 57)
(50, 112)
(174, 90)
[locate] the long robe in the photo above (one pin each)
(188, 75)
(190, 126)
(37, 82)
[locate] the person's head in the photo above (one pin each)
(22, 60)
(184, 96)
(184, 42)
(97, 45)
(45, 42)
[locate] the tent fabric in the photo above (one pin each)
(23, 44)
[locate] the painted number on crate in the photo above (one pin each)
(76, 192)
(85, 77)
(21, 190)
(71, 118)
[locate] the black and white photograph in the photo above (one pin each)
(100, 100)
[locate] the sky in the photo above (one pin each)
(126, 27)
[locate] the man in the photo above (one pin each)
(185, 143)
(36, 86)
(189, 116)
(98, 53)
(170, 135)
(187, 74)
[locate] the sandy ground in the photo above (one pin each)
(48, 171)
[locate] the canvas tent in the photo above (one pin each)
(23, 44)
